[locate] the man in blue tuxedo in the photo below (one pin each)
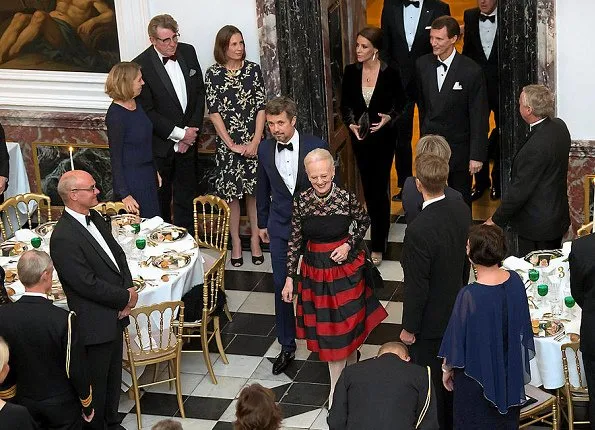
(281, 176)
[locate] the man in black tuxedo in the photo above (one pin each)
(582, 286)
(281, 176)
(94, 273)
(435, 266)
(481, 45)
(47, 358)
(4, 164)
(405, 25)
(173, 97)
(536, 204)
(383, 391)
(453, 103)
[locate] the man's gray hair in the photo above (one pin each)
(31, 265)
(540, 99)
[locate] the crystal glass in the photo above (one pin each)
(36, 242)
(533, 275)
(136, 228)
(542, 290)
(140, 243)
(568, 305)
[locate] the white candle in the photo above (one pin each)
(71, 161)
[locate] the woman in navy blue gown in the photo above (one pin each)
(130, 133)
(489, 341)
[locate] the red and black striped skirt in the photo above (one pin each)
(336, 310)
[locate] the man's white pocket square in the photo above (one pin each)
(192, 72)
(457, 86)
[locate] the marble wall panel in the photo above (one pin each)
(580, 163)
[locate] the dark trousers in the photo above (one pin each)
(178, 175)
(104, 362)
(374, 160)
(461, 181)
(589, 362)
(425, 353)
(284, 314)
(61, 412)
(527, 245)
(403, 152)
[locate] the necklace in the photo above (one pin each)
(234, 73)
(323, 199)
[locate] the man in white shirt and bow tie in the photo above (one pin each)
(453, 103)
(94, 273)
(281, 176)
(173, 97)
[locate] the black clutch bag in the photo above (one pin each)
(364, 125)
(372, 275)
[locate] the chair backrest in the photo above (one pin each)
(18, 209)
(211, 222)
(575, 346)
(157, 330)
(212, 287)
(110, 208)
(585, 229)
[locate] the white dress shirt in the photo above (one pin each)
(411, 16)
(535, 123)
(287, 162)
(91, 228)
(434, 200)
(487, 33)
(34, 294)
(174, 71)
(440, 72)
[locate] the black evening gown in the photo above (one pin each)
(130, 135)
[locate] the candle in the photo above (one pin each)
(71, 161)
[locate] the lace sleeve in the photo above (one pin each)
(295, 239)
(361, 218)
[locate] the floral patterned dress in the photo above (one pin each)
(237, 98)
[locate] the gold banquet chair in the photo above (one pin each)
(110, 208)
(569, 394)
(211, 231)
(585, 229)
(17, 208)
(200, 328)
(150, 347)
(545, 410)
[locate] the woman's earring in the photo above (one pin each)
(374, 56)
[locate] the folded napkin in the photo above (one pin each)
(515, 263)
(25, 235)
(566, 247)
(151, 223)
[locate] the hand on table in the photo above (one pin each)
(339, 254)
(287, 292)
(131, 205)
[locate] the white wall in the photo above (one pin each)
(576, 67)
(199, 21)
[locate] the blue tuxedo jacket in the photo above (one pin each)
(274, 202)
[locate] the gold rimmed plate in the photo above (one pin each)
(171, 261)
(547, 327)
(13, 248)
(10, 276)
(139, 284)
(125, 219)
(45, 228)
(168, 234)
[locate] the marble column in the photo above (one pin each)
(517, 29)
(301, 62)
(267, 36)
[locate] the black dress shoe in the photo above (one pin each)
(398, 197)
(494, 193)
(283, 360)
(476, 193)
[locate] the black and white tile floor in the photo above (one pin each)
(251, 347)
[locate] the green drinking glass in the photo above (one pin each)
(542, 289)
(136, 228)
(569, 302)
(36, 242)
(141, 243)
(533, 275)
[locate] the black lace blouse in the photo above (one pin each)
(324, 220)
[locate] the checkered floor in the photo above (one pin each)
(251, 347)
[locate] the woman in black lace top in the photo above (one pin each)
(336, 310)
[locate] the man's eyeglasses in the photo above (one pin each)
(168, 40)
(92, 188)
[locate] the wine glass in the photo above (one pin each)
(36, 242)
(140, 243)
(569, 302)
(542, 290)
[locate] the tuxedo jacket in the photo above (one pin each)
(388, 97)
(4, 159)
(413, 200)
(44, 363)
(382, 393)
(536, 204)
(459, 112)
(395, 49)
(435, 265)
(95, 289)
(582, 286)
(274, 202)
(473, 49)
(159, 99)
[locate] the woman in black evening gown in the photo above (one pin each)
(130, 134)
(372, 98)
(336, 309)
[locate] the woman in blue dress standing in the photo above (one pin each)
(130, 133)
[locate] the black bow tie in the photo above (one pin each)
(88, 219)
(484, 18)
(282, 146)
(411, 2)
(440, 63)
(172, 58)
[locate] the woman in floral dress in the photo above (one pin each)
(235, 100)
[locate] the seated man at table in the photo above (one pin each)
(47, 359)
(94, 273)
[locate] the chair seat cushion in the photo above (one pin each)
(538, 394)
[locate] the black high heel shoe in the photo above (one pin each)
(257, 260)
(237, 262)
